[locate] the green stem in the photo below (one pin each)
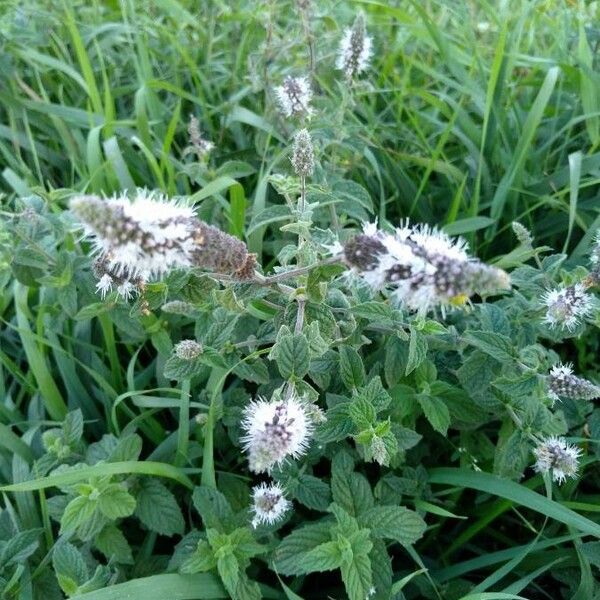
(111, 347)
(183, 432)
(214, 386)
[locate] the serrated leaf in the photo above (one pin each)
(352, 370)
(178, 368)
(127, 448)
(338, 425)
(213, 507)
(298, 543)
(292, 355)
(157, 508)
(112, 543)
(271, 214)
(351, 491)
(495, 345)
(78, 511)
(382, 571)
(394, 523)
(116, 502)
(19, 547)
(313, 492)
(356, 574)
(436, 412)
(73, 427)
(228, 568)
(325, 557)
(517, 387)
(202, 559)
(417, 351)
(70, 567)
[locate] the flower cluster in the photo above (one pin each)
(268, 504)
(562, 383)
(274, 431)
(303, 157)
(567, 307)
(555, 455)
(294, 96)
(146, 237)
(425, 266)
(355, 49)
(108, 278)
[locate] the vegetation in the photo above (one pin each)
(217, 381)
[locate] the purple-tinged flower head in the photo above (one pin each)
(274, 431)
(562, 383)
(149, 235)
(355, 49)
(269, 504)
(303, 156)
(294, 96)
(554, 455)
(567, 307)
(425, 267)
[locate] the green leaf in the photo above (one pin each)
(394, 523)
(301, 541)
(313, 492)
(73, 427)
(157, 508)
(352, 370)
(436, 412)
(19, 547)
(338, 425)
(495, 345)
(203, 586)
(271, 214)
(519, 494)
(177, 368)
(228, 568)
(112, 543)
(78, 511)
(292, 354)
(213, 507)
(202, 559)
(116, 502)
(69, 567)
(350, 490)
(356, 573)
(417, 350)
(325, 557)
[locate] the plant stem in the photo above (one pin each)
(214, 387)
(183, 431)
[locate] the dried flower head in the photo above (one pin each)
(294, 96)
(355, 49)
(425, 266)
(268, 504)
(303, 157)
(562, 383)
(273, 431)
(555, 455)
(198, 144)
(567, 307)
(188, 349)
(149, 235)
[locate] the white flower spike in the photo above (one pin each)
(567, 307)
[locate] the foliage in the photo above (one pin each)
(122, 454)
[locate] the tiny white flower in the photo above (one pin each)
(567, 307)
(268, 504)
(126, 290)
(104, 285)
(274, 431)
(294, 96)
(554, 455)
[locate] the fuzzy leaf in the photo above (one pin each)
(393, 522)
(352, 370)
(116, 502)
(301, 541)
(112, 543)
